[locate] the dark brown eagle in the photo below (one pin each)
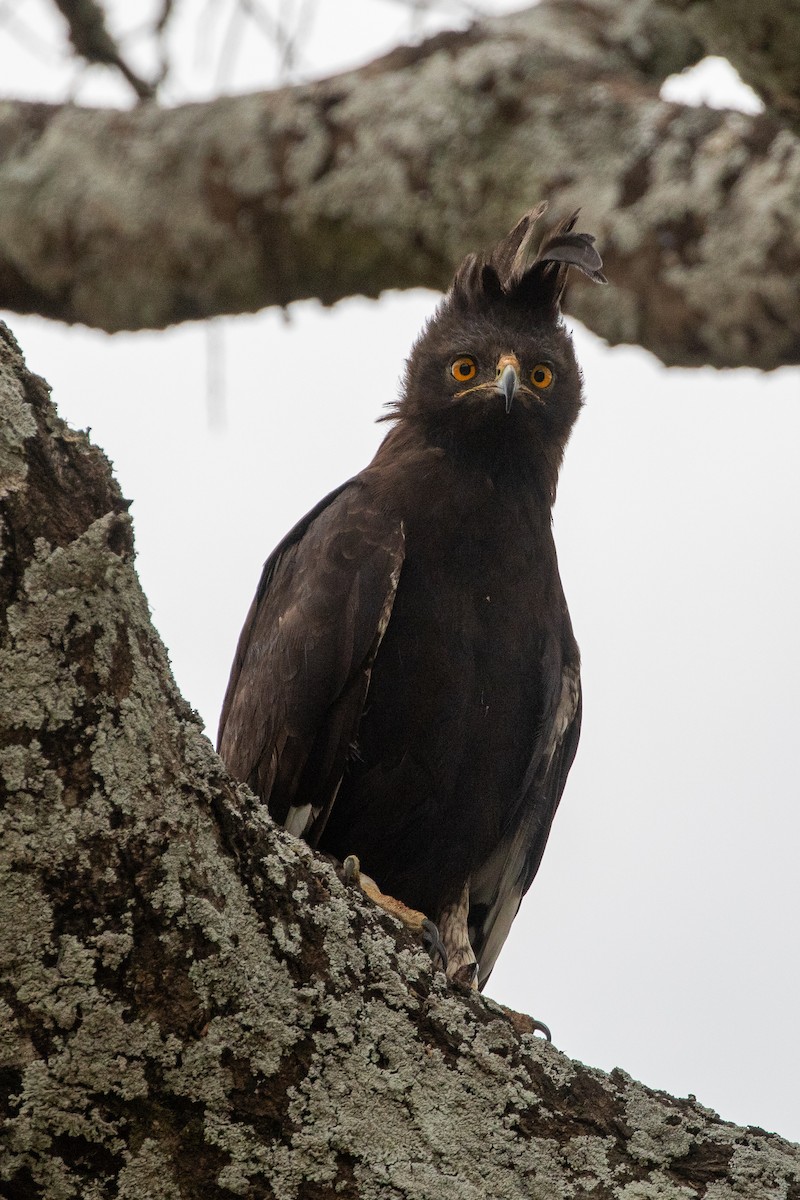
(406, 687)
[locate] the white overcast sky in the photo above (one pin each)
(661, 935)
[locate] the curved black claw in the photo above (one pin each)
(540, 1027)
(433, 943)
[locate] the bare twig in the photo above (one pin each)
(11, 23)
(167, 9)
(91, 39)
(230, 44)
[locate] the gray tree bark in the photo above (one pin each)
(384, 177)
(193, 1004)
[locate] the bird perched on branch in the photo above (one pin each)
(406, 687)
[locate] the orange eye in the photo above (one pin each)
(541, 376)
(464, 369)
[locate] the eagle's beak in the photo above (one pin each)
(507, 380)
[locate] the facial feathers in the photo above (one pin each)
(506, 301)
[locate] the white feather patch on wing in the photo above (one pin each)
(298, 819)
(499, 883)
(565, 712)
(394, 579)
(503, 919)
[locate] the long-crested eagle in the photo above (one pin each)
(406, 687)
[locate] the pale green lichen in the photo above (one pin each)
(17, 426)
(147, 1175)
(657, 1188)
(653, 1140)
(588, 1156)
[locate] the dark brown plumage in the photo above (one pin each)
(406, 686)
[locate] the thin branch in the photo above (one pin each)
(90, 38)
(230, 45)
(167, 9)
(26, 37)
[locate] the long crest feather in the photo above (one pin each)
(510, 255)
(510, 273)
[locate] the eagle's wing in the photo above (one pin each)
(497, 888)
(305, 654)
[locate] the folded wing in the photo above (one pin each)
(496, 890)
(303, 663)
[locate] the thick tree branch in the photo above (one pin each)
(384, 177)
(192, 1003)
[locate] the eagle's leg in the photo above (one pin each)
(462, 966)
(417, 922)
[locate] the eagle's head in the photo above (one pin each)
(495, 365)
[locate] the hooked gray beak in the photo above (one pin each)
(507, 381)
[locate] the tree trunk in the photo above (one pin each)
(193, 1004)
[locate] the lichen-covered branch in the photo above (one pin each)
(192, 1004)
(384, 177)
